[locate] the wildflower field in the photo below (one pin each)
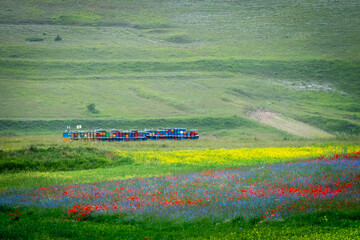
(304, 192)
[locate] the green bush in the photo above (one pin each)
(34, 39)
(92, 109)
(58, 38)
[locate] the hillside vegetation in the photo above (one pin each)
(272, 86)
(189, 60)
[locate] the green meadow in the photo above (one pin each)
(244, 73)
(139, 60)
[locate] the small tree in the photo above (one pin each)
(58, 38)
(92, 109)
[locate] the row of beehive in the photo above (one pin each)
(133, 135)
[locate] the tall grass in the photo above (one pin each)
(57, 159)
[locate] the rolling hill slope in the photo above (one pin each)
(187, 60)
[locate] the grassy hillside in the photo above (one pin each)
(191, 60)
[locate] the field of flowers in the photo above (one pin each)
(258, 193)
(235, 157)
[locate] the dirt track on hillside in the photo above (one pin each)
(287, 124)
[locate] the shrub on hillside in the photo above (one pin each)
(58, 38)
(92, 109)
(34, 39)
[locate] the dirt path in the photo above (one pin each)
(287, 124)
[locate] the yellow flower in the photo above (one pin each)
(241, 156)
